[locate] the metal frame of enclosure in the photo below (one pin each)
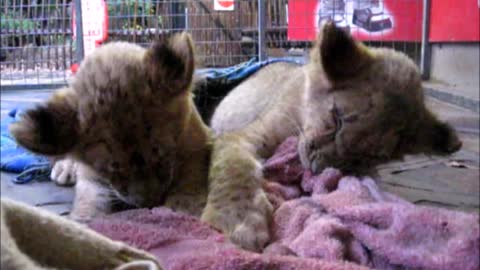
(38, 47)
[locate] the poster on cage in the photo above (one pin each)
(94, 24)
(455, 21)
(367, 20)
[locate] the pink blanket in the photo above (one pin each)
(328, 221)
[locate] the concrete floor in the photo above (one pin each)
(451, 182)
(42, 194)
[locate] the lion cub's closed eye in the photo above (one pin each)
(128, 124)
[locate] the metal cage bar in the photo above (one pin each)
(37, 46)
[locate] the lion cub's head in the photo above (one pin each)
(364, 106)
(122, 115)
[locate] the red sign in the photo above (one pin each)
(386, 20)
(223, 5)
(455, 20)
(94, 25)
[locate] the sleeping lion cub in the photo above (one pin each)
(352, 107)
(128, 128)
(130, 120)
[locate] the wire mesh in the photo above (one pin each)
(218, 35)
(37, 45)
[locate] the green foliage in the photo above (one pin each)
(27, 17)
(128, 13)
(130, 7)
(9, 22)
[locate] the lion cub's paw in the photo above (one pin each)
(252, 234)
(84, 213)
(63, 172)
(246, 223)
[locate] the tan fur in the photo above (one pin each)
(36, 239)
(129, 120)
(129, 124)
(352, 107)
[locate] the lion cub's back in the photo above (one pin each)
(249, 100)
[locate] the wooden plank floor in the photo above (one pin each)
(451, 182)
(420, 179)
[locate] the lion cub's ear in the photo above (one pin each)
(436, 137)
(341, 57)
(170, 64)
(50, 129)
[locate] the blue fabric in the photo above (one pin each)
(31, 167)
(16, 159)
(243, 70)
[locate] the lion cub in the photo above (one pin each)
(128, 128)
(352, 107)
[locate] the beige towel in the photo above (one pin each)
(34, 239)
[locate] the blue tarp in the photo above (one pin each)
(243, 70)
(30, 167)
(16, 159)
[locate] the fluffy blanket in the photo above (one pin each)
(327, 221)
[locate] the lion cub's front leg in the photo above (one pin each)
(92, 198)
(189, 194)
(236, 203)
